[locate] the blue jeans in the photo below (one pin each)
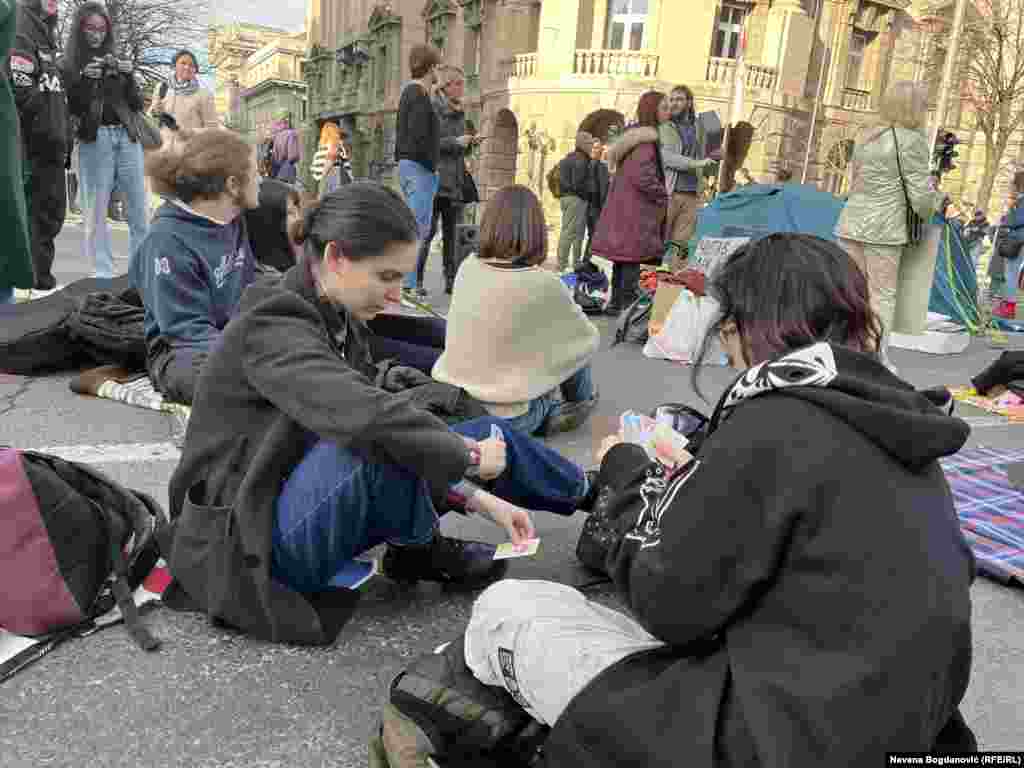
(7, 295)
(337, 504)
(1012, 277)
(113, 157)
(575, 389)
(419, 187)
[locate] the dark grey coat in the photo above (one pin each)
(452, 167)
(290, 368)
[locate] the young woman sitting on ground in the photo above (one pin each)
(295, 463)
(515, 336)
(196, 260)
(801, 590)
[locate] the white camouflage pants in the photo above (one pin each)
(543, 642)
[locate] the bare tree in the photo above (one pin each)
(150, 31)
(991, 77)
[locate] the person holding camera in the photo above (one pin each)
(105, 97)
(40, 99)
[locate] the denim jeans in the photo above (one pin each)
(113, 157)
(6, 295)
(575, 389)
(419, 187)
(337, 504)
(1012, 277)
(413, 341)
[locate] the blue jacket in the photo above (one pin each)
(191, 272)
(1014, 220)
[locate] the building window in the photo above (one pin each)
(627, 22)
(728, 31)
(855, 61)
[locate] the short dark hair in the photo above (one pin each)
(647, 109)
(363, 218)
(513, 228)
(787, 290)
(422, 59)
(185, 52)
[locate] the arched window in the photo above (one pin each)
(627, 24)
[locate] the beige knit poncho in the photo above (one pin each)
(513, 335)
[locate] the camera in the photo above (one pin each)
(109, 64)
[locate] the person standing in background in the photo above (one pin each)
(105, 97)
(418, 144)
(287, 151)
(184, 98)
(683, 154)
(600, 181)
(456, 140)
(42, 105)
(16, 257)
(573, 184)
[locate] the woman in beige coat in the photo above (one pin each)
(184, 98)
(872, 227)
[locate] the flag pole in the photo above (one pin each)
(825, 54)
(947, 70)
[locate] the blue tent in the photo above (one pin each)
(761, 209)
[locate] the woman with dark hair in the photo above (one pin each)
(196, 261)
(295, 463)
(516, 339)
(183, 97)
(631, 228)
(782, 582)
(103, 94)
(280, 208)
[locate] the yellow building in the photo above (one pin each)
(537, 69)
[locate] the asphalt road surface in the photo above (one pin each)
(214, 698)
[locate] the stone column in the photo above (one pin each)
(886, 46)
(845, 13)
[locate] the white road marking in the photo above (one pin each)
(116, 453)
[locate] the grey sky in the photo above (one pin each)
(287, 14)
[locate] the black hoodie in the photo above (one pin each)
(38, 85)
(807, 573)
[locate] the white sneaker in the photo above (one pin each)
(38, 293)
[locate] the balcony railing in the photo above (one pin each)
(721, 71)
(524, 65)
(854, 98)
(610, 63)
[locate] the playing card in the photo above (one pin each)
(508, 549)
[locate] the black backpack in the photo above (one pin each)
(438, 710)
(73, 544)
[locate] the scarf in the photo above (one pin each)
(184, 89)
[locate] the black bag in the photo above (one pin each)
(74, 544)
(1007, 246)
(633, 322)
(35, 336)
(599, 530)
(915, 224)
(144, 131)
(437, 708)
(110, 331)
(470, 193)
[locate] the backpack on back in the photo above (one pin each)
(73, 544)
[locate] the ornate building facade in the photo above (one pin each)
(536, 70)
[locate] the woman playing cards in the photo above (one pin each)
(295, 462)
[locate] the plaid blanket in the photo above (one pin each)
(991, 511)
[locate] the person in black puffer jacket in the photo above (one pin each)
(574, 184)
(103, 94)
(42, 106)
